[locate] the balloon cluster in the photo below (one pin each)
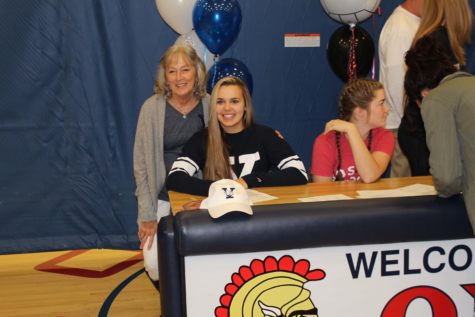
(350, 50)
(211, 27)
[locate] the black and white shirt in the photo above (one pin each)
(256, 154)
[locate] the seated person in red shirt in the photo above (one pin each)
(234, 147)
(356, 146)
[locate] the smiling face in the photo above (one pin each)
(378, 110)
(230, 108)
(180, 76)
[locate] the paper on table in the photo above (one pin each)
(325, 198)
(406, 191)
(255, 196)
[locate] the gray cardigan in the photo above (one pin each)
(149, 165)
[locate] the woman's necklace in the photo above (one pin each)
(183, 110)
(184, 113)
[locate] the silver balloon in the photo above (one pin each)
(350, 11)
(177, 14)
(191, 38)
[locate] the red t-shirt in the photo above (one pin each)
(325, 153)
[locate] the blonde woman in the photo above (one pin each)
(167, 120)
(449, 21)
(235, 147)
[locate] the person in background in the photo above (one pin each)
(234, 147)
(412, 138)
(447, 101)
(166, 121)
(356, 146)
(395, 39)
(449, 23)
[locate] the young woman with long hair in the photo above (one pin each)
(235, 147)
(450, 22)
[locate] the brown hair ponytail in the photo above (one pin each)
(356, 93)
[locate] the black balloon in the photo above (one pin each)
(339, 48)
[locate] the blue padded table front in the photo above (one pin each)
(305, 225)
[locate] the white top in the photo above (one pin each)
(394, 41)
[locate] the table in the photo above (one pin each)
(290, 194)
(392, 233)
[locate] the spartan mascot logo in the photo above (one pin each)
(270, 288)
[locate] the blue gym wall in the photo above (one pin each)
(73, 75)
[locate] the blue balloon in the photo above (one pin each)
(229, 67)
(217, 23)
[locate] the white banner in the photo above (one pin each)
(414, 279)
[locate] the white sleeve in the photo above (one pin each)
(394, 42)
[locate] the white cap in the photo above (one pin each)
(225, 196)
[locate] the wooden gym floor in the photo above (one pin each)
(76, 283)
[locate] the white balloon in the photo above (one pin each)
(191, 38)
(177, 13)
(350, 11)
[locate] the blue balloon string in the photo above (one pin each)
(215, 70)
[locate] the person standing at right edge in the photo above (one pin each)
(394, 41)
(447, 99)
